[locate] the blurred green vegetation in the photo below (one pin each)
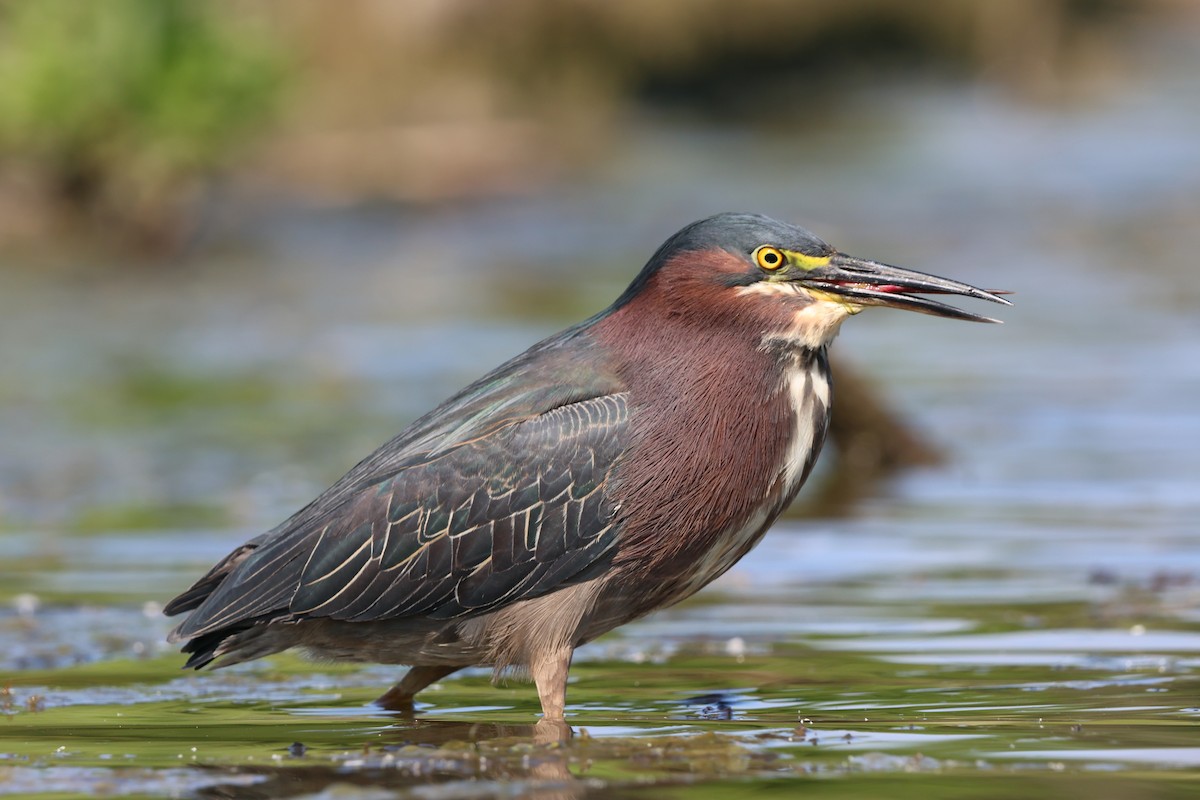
(118, 106)
(113, 113)
(140, 517)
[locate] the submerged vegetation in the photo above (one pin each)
(963, 701)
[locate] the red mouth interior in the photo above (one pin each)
(887, 288)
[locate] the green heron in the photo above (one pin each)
(609, 470)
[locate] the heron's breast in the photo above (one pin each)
(807, 387)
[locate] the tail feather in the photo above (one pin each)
(245, 641)
(204, 649)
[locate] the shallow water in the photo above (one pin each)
(1024, 619)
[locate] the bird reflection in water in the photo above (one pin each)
(423, 753)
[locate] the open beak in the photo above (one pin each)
(869, 283)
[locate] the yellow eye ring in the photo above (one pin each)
(769, 258)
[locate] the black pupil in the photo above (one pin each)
(771, 258)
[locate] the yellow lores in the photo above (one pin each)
(808, 262)
(773, 259)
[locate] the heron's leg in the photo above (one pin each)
(549, 671)
(400, 696)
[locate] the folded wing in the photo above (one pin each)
(519, 510)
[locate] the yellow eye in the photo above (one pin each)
(769, 258)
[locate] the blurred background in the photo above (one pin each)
(243, 242)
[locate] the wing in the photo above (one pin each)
(202, 588)
(510, 514)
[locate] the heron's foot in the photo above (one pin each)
(551, 731)
(396, 699)
(400, 697)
